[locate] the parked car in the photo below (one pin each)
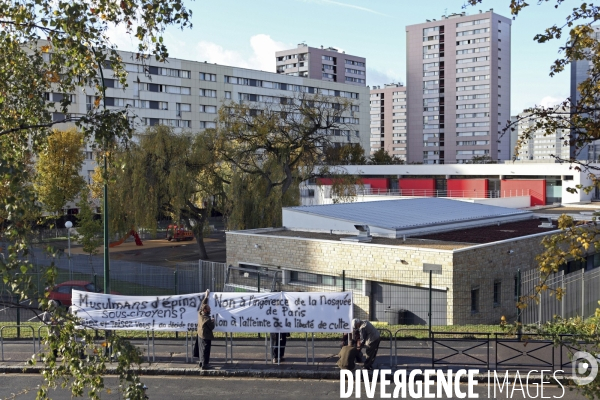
(61, 293)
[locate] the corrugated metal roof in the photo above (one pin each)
(407, 213)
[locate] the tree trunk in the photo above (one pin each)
(201, 247)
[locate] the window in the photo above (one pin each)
(473, 115)
(355, 71)
(433, 29)
(476, 22)
(324, 280)
(356, 80)
(208, 77)
(208, 93)
(473, 78)
(177, 73)
(497, 293)
(475, 50)
(152, 87)
(470, 60)
(472, 124)
(208, 109)
(327, 58)
(472, 41)
(183, 107)
(476, 133)
(177, 123)
(228, 95)
(474, 87)
(355, 63)
(472, 69)
(207, 124)
(475, 300)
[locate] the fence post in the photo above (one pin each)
(18, 320)
(430, 299)
(258, 282)
(343, 280)
(175, 283)
(562, 300)
(583, 292)
(199, 276)
(519, 328)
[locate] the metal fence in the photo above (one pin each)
(392, 297)
(581, 295)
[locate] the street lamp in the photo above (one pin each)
(69, 225)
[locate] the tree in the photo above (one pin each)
(346, 154)
(171, 174)
(57, 180)
(271, 148)
(57, 47)
(89, 229)
(485, 159)
(382, 157)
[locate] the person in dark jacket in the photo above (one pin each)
(278, 342)
(206, 324)
(369, 339)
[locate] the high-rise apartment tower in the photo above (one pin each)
(458, 88)
(388, 119)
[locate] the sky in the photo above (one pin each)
(247, 34)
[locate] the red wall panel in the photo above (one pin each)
(377, 183)
(536, 188)
(417, 187)
(324, 181)
(467, 188)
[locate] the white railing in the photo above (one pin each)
(478, 194)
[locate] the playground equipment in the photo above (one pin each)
(138, 241)
(178, 232)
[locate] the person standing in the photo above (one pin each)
(369, 338)
(278, 342)
(206, 324)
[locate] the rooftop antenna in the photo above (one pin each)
(445, 11)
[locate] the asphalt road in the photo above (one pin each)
(173, 388)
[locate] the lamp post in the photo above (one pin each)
(69, 225)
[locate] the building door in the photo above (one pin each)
(494, 187)
(441, 186)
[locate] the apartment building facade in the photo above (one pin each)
(328, 65)
(187, 95)
(388, 120)
(458, 80)
(540, 146)
(579, 73)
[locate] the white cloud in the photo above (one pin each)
(550, 101)
(262, 55)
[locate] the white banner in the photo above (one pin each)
(282, 312)
(233, 312)
(137, 313)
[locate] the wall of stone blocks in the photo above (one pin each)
(480, 266)
(382, 263)
(462, 269)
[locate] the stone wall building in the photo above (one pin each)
(479, 258)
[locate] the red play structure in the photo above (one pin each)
(138, 241)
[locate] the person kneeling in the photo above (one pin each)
(349, 356)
